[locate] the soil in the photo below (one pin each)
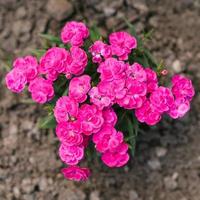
(166, 165)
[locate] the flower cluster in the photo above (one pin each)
(86, 114)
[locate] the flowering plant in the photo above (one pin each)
(97, 92)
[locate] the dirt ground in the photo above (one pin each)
(167, 161)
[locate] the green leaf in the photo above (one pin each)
(151, 59)
(51, 38)
(48, 122)
(38, 52)
(133, 128)
(94, 33)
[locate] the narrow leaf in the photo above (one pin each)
(51, 38)
(48, 122)
(38, 52)
(94, 33)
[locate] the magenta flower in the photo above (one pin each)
(152, 80)
(71, 155)
(69, 133)
(135, 94)
(122, 43)
(79, 61)
(41, 90)
(76, 173)
(28, 65)
(107, 138)
(66, 109)
(90, 118)
(79, 87)
(136, 72)
(74, 33)
(179, 108)
(112, 69)
(100, 50)
(109, 116)
(148, 114)
(162, 99)
(116, 158)
(182, 87)
(55, 60)
(98, 99)
(16, 80)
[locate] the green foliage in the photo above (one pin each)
(48, 122)
(51, 38)
(128, 124)
(95, 33)
(38, 52)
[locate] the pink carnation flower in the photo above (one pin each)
(79, 61)
(41, 90)
(136, 72)
(74, 33)
(100, 50)
(76, 173)
(66, 109)
(148, 114)
(55, 60)
(16, 80)
(109, 116)
(28, 65)
(69, 133)
(79, 87)
(152, 80)
(71, 155)
(112, 69)
(107, 138)
(117, 158)
(90, 118)
(135, 94)
(179, 108)
(122, 43)
(162, 99)
(182, 87)
(98, 99)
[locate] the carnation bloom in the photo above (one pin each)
(28, 65)
(179, 108)
(98, 99)
(152, 80)
(69, 133)
(66, 109)
(122, 43)
(79, 87)
(74, 33)
(76, 173)
(99, 50)
(109, 116)
(16, 80)
(182, 87)
(135, 94)
(136, 72)
(107, 138)
(112, 69)
(41, 90)
(55, 60)
(79, 61)
(90, 118)
(116, 158)
(71, 155)
(148, 113)
(162, 99)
